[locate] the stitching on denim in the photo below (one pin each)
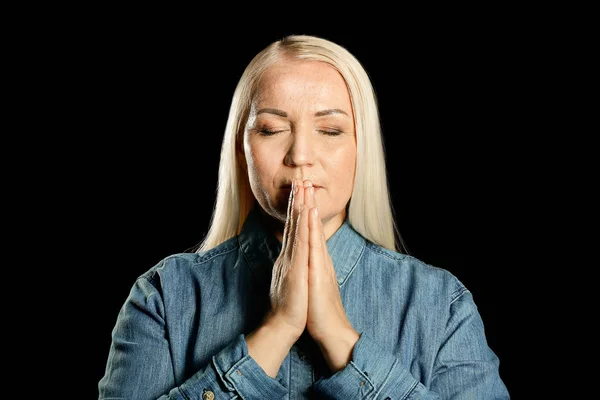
(387, 378)
(238, 363)
(365, 377)
(377, 249)
(398, 256)
(458, 292)
(231, 370)
(215, 253)
(409, 392)
(362, 251)
(164, 319)
(222, 375)
(183, 393)
(239, 245)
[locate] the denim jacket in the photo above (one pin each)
(181, 332)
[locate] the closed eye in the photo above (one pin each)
(331, 132)
(328, 132)
(266, 132)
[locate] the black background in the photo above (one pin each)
(149, 97)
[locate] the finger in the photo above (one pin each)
(309, 193)
(297, 207)
(300, 199)
(300, 252)
(322, 230)
(320, 262)
(315, 238)
(288, 229)
(327, 261)
(311, 202)
(315, 226)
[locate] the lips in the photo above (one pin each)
(288, 186)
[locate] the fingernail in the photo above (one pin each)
(316, 211)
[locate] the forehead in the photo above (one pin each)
(306, 82)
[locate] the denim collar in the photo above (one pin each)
(261, 248)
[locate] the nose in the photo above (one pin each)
(301, 150)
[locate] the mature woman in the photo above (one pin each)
(301, 288)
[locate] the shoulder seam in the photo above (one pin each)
(460, 290)
(395, 256)
(376, 248)
(217, 252)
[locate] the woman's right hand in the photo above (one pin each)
(289, 282)
(283, 325)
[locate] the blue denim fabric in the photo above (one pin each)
(181, 332)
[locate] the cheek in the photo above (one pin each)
(260, 164)
(343, 166)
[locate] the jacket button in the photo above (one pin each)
(208, 395)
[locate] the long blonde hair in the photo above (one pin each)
(370, 211)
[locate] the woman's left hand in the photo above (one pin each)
(327, 322)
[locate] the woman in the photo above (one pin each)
(300, 288)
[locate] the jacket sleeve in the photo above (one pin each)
(140, 366)
(465, 367)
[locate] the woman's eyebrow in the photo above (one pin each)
(282, 113)
(330, 112)
(275, 111)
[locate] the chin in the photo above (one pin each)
(272, 211)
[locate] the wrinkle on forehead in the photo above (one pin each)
(307, 85)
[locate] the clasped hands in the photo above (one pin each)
(304, 293)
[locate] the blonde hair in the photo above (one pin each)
(370, 211)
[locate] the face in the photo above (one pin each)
(301, 126)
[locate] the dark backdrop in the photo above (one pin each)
(153, 98)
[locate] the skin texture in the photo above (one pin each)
(302, 144)
(300, 149)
